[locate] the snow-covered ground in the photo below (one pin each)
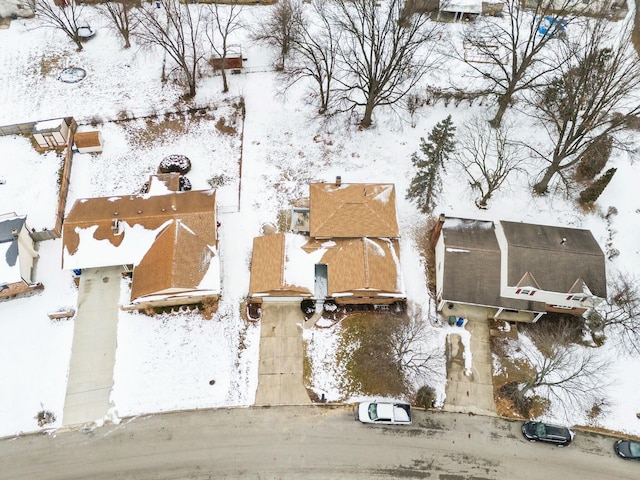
(167, 362)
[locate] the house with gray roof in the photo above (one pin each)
(17, 257)
(522, 270)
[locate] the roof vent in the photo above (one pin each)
(563, 241)
(15, 232)
(115, 226)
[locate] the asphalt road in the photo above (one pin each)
(306, 443)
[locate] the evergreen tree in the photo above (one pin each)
(426, 186)
(591, 193)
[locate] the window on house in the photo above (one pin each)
(577, 298)
(525, 291)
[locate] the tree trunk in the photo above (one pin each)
(503, 104)
(481, 203)
(127, 43)
(77, 41)
(542, 187)
(192, 87)
(368, 116)
(225, 85)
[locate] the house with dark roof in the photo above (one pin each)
(521, 270)
(343, 247)
(17, 257)
(168, 241)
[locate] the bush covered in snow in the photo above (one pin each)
(175, 164)
(185, 184)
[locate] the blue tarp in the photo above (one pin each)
(552, 27)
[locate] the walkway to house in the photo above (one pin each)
(94, 346)
(281, 355)
(470, 393)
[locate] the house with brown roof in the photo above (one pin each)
(168, 241)
(17, 257)
(343, 247)
(521, 270)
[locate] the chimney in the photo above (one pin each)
(437, 228)
(338, 181)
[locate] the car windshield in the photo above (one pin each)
(634, 448)
(541, 430)
(373, 411)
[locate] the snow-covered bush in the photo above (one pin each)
(175, 163)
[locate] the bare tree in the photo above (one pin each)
(280, 28)
(593, 95)
(176, 29)
(487, 156)
(119, 16)
(561, 371)
(619, 316)
(412, 344)
(65, 18)
(513, 52)
(383, 53)
(224, 20)
(314, 53)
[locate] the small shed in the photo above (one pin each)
(233, 60)
(88, 142)
(52, 134)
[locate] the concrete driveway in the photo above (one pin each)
(281, 355)
(94, 346)
(470, 393)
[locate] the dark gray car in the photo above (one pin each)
(627, 449)
(545, 432)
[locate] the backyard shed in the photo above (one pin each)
(88, 142)
(52, 134)
(232, 61)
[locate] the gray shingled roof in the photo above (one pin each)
(471, 262)
(557, 257)
(7, 228)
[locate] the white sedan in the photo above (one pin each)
(387, 413)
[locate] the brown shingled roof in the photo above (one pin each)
(267, 268)
(171, 181)
(362, 266)
(352, 210)
(195, 208)
(177, 261)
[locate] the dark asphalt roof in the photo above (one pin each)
(557, 257)
(7, 227)
(472, 261)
